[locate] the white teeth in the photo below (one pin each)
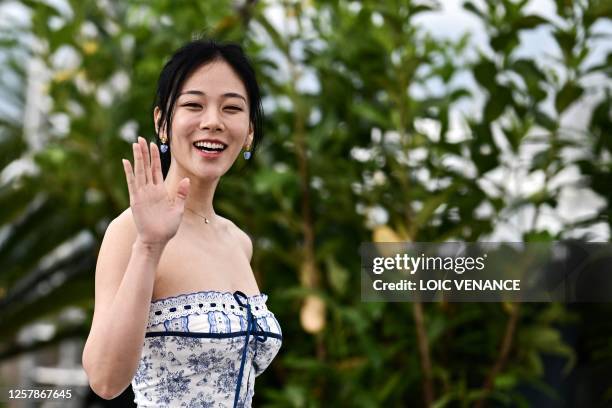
(209, 145)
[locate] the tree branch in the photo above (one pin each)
(423, 344)
(502, 358)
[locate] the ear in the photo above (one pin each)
(250, 135)
(156, 116)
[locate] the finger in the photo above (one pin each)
(181, 194)
(129, 176)
(156, 170)
(146, 158)
(138, 166)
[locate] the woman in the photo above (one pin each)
(171, 311)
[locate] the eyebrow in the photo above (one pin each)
(226, 95)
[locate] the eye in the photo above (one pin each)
(234, 108)
(191, 104)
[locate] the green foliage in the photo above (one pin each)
(376, 71)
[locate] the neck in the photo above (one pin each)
(201, 191)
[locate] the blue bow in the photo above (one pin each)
(252, 327)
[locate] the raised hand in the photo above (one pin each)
(156, 214)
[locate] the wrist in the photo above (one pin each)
(149, 248)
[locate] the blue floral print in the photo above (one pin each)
(193, 350)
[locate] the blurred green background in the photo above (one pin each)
(384, 121)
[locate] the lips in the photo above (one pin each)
(208, 154)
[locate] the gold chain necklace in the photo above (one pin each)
(205, 219)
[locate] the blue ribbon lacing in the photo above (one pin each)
(252, 328)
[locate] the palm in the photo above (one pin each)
(156, 214)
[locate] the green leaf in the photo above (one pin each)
(435, 328)
(337, 275)
(570, 92)
(596, 10)
(471, 7)
(605, 67)
(528, 70)
(483, 149)
(420, 8)
(505, 381)
(538, 236)
(485, 72)
(371, 113)
(529, 22)
(544, 120)
(566, 40)
(601, 125)
(535, 362)
(541, 160)
(504, 42)
(497, 103)
(459, 93)
(564, 7)
(431, 204)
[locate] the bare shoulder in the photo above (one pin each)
(125, 222)
(240, 235)
(120, 232)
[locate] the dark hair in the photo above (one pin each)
(186, 60)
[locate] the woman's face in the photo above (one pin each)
(211, 111)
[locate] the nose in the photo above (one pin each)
(210, 120)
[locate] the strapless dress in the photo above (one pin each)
(204, 349)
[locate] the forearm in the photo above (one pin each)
(114, 347)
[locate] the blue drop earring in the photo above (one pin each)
(247, 153)
(164, 147)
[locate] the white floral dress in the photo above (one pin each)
(204, 349)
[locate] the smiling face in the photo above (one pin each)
(212, 108)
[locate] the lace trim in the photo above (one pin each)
(203, 302)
